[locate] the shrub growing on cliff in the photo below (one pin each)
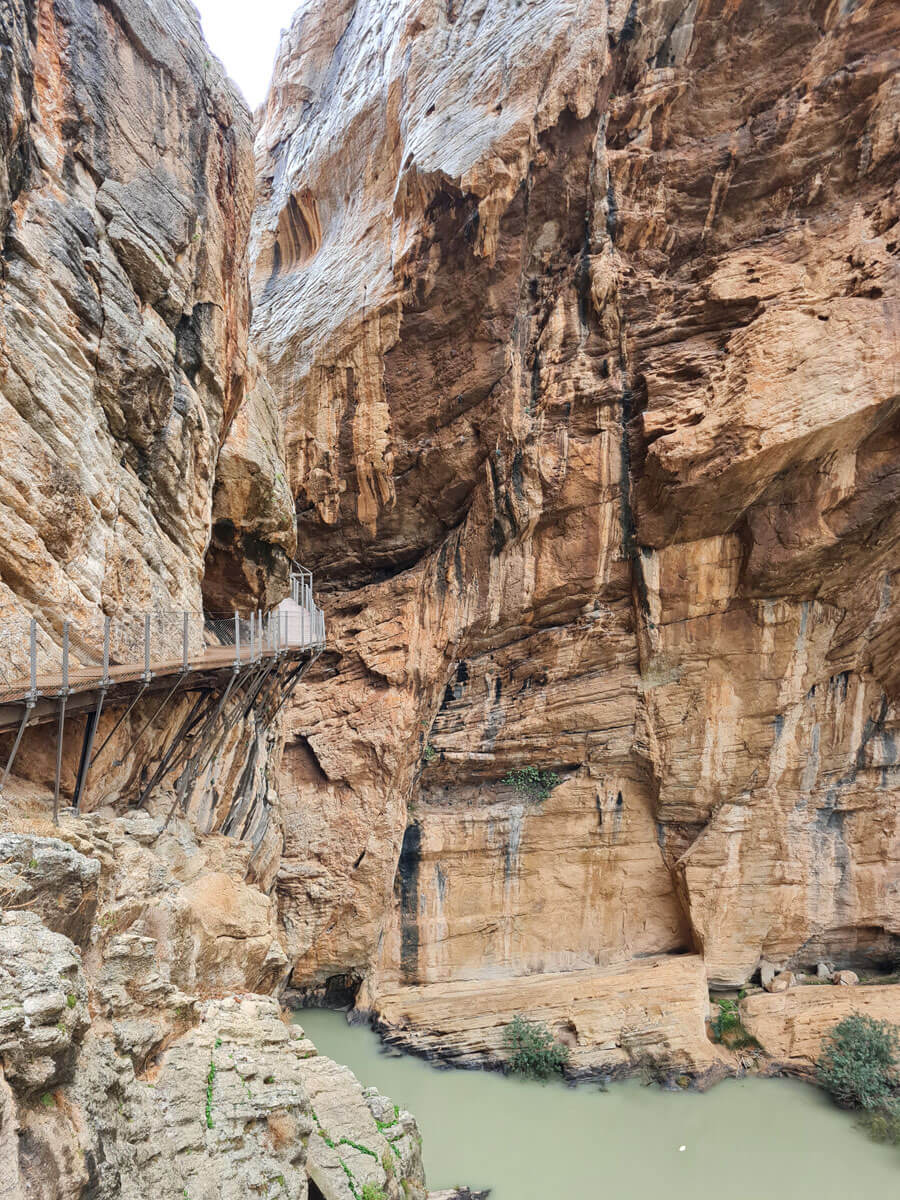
(860, 1063)
(532, 1049)
(371, 1191)
(728, 1028)
(532, 782)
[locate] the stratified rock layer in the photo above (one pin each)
(792, 1024)
(652, 1013)
(583, 320)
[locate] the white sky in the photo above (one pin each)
(244, 35)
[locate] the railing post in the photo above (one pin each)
(237, 639)
(32, 657)
(65, 660)
(84, 766)
(60, 729)
(105, 682)
(146, 647)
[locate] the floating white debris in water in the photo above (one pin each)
(680, 1148)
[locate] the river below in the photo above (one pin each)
(748, 1139)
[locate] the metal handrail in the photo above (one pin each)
(138, 646)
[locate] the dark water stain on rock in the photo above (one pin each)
(407, 886)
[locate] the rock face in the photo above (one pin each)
(791, 1026)
(124, 306)
(583, 322)
(127, 1062)
(650, 1014)
(142, 1050)
(142, 454)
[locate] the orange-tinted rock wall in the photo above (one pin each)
(583, 322)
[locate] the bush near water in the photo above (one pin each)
(860, 1067)
(532, 1049)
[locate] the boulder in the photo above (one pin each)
(781, 982)
(53, 880)
(845, 978)
(43, 1002)
(767, 972)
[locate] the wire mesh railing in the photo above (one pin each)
(39, 656)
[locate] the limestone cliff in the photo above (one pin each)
(582, 318)
(142, 1046)
(142, 454)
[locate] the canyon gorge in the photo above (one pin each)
(559, 339)
(582, 319)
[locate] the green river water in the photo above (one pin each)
(750, 1139)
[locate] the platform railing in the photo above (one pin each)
(51, 658)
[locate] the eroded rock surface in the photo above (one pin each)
(791, 1025)
(583, 321)
(139, 1056)
(650, 1014)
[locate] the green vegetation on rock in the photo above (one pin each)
(860, 1067)
(371, 1191)
(860, 1063)
(532, 782)
(728, 1029)
(532, 1049)
(210, 1080)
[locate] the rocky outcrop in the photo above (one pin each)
(584, 334)
(792, 1024)
(134, 1053)
(48, 877)
(360, 1137)
(44, 1002)
(164, 920)
(227, 1111)
(649, 1015)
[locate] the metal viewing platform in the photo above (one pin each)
(257, 659)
